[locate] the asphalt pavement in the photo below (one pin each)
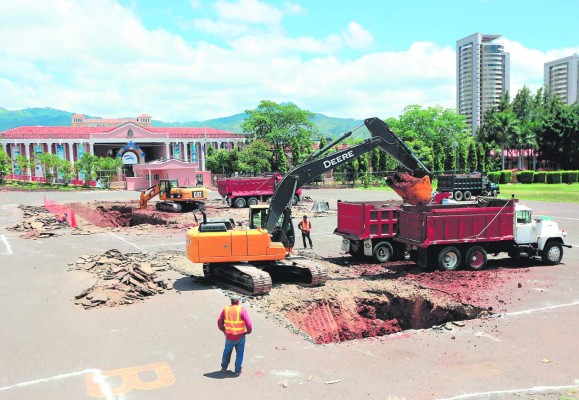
(169, 347)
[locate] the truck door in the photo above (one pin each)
(524, 227)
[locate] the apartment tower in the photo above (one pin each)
(482, 76)
(561, 78)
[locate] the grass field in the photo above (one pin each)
(557, 192)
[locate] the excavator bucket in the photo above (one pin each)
(415, 191)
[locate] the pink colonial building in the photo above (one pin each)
(135, 141)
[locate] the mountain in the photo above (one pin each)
(330, 127)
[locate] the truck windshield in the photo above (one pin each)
(523, 217)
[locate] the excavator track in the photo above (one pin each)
(243, 278)
(298, 269)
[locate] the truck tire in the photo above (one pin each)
(383, 252)
(552, 253)
(295, 200)
(449, 259)
(458, 195)
(476, 258)
(239, 202)
(252, 201)
(467, 195)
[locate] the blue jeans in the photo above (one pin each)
(239, 346)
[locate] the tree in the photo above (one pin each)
(48, 163)
(23, 163)
(254, 158)
(286, 127)
(87, 164)
(506, 128)
(65, 170)
(559, 127)
(222, 161)
(5, 164)
(107, 167)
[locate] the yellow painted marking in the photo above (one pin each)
(130, 380)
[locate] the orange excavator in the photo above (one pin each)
(244, 258)
(174, 198)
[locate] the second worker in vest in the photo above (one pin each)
(306, 227)
(235, 323)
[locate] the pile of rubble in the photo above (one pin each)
(121, 278)
(38, 223)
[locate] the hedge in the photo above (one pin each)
(506, 176)
(554, 177)
(494, 176)
(540, 177)
(525, 176)
(570, 176)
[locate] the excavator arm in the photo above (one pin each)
(148, 194)
(416, 191)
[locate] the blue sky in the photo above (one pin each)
(185, 60)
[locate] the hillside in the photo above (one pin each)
(328, 126)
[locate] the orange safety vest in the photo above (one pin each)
(233, 323)
(306, 227)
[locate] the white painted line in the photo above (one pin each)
(98, 378)
(533, 390)
(126, 241)
(8, 248)
(526, 312)
(164, 244)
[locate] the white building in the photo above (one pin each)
(561, 78)
(482, 76)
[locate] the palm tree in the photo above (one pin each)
(506, 127)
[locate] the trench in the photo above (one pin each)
(114, 216)
(358, 318)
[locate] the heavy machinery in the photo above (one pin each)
(249, 191)
(174, 198)
(244, 258)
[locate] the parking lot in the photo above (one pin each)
(169, 347)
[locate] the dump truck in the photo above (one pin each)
(451, 236)
(466, 186)
(241, 192)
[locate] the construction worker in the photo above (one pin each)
(234, 322)
(306, 227)
(63, 219)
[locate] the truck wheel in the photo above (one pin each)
(252, 201)
(240, 202)
(552, 253)
(458, 195)
(484, 193)
(449, 259)
(467, 195)
(383, 252)
(476, 258)
(295, 200)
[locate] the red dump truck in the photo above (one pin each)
(451, 236)
(241, 192)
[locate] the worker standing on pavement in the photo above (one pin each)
(235, 323)
(306, 227)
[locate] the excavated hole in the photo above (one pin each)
(361, 318)
(116, 215)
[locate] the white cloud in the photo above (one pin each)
(250, 11)
(97, 58)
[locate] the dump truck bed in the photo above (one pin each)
(366, 220)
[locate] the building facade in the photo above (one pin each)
(482, 76)
(133, 143)
(561, 78)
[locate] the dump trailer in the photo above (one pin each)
(368, 228)
(450, 236)
(241, 192)
(465, 186)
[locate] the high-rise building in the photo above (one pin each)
(482, 76)
(561, 78)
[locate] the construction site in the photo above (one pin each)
(122, 259)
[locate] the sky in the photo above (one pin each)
(192, 60)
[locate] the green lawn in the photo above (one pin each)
(556, 192)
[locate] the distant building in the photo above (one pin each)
(482, 76)
(143, 120)
(134, 142)
(561, 78)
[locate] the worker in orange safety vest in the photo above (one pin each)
(306, 227)
(234, 322)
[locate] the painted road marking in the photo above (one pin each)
(4, 240)
(99, 379)
(126, 241)
(164, 244)
(130, 380)
(532, 390)
(526, 312)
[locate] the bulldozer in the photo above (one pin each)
(173, 197)
(244, 258)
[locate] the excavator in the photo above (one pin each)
(174, 198)
(244, 258)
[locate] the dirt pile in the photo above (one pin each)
(38, 223)
(122, 278)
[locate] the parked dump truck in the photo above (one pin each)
(368, 228)
(451, 236)
(241, 192)
(465, 186)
